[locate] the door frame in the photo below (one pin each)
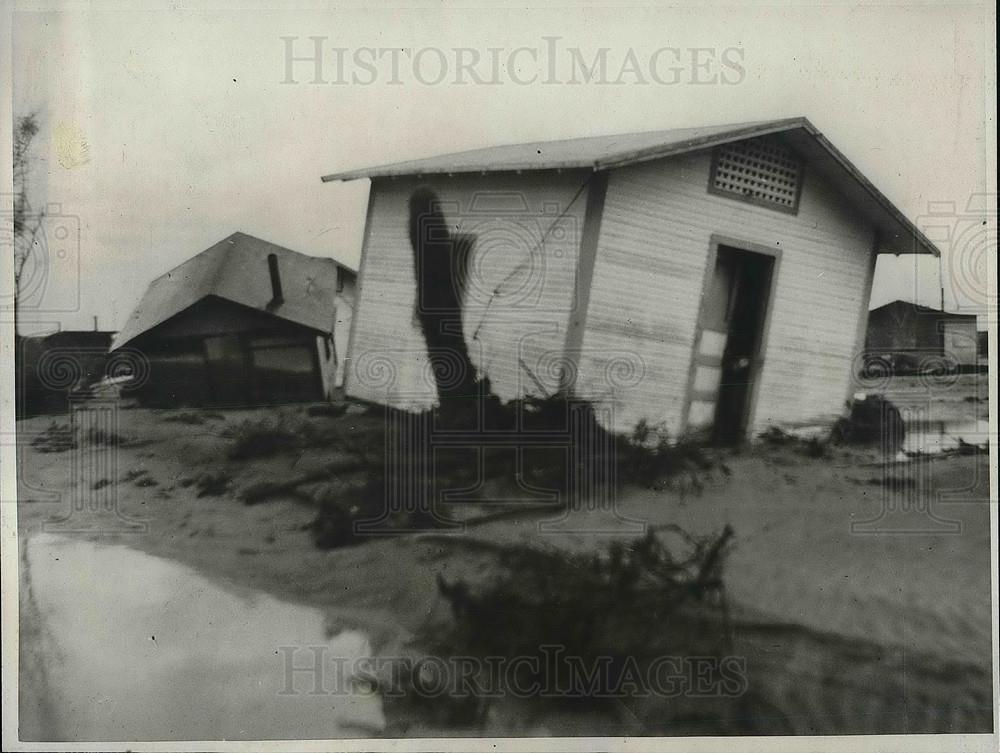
(774, 253)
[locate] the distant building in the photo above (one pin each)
(911, 338)
(52, 368)
(708, 279)
(245, 322)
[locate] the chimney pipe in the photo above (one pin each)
(272, 265)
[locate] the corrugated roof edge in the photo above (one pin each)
(424, 165)
(706, 142)
(737, 133)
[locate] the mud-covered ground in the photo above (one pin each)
(859, 587)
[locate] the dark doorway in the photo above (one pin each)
(226, 367)
(727, 354)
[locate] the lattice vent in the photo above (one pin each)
(759, 171)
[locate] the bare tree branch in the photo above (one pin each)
(27, 225)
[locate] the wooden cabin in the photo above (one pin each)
(701, 279)
(910, 338)
(245, 322)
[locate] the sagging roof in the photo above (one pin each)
(898, 234)
(236, 269)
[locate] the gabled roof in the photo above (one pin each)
(909, 305)
(236, 269)
(897, 233)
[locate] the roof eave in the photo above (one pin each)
(914, 241)
(705, 142)
(276, 313)
(899, 235)
(390, 171)
(408, 168)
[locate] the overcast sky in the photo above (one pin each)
(167, 130)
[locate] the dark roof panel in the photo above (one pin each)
(236, 269)
(901, 304)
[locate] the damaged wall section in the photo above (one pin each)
(524, 232)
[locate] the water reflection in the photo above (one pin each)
(133, 647)
(931, 437)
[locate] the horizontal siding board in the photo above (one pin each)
(650, 266)
(521, 289)
(651, 262)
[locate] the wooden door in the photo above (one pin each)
(726, 356)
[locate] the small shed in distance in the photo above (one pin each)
(245, 322)
(909, 337)
(51, 368)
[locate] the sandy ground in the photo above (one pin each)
(856, 611)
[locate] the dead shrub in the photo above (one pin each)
(213, 484)
(191, 418)
(649, 458)
(260, 438)
(812, 447)
(341, 510)
(645, 457)
(260, 491)
(575, 600)
(330, 410)
(105, 438)
(872, 420)
(629, 603)
(56, 438)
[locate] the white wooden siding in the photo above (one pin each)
(345, 302)
(327, 366)
(645, 298)
(519, 297)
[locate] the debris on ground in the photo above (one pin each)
(872, 420)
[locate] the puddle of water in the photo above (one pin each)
(931, 437)
(142, 648)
